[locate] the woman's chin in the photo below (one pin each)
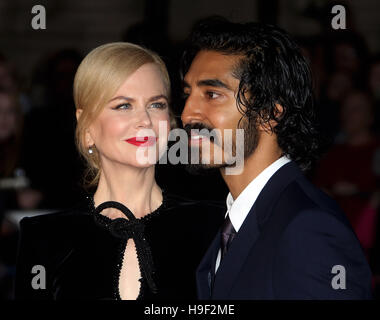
(146, 163)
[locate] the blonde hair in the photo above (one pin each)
(97, 79)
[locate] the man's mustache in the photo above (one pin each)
(203, 130)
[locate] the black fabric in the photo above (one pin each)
(83, 256)
(132, 228)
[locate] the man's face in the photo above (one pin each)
(211, 88)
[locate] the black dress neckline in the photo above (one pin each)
(131, 228)
(105, 221)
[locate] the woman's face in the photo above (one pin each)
(8, 117)
(127, 130)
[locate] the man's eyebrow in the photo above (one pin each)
(213, 83)
(208, 82)
(185, 84)
(160, 96)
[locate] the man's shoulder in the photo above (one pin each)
(302, 196)
(316, 226)
(316, 237)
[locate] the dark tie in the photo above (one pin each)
(228, 234)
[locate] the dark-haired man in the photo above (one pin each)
(282, 238)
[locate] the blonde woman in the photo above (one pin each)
(130, 239)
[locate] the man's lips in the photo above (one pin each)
(196, 139)
(142, 141)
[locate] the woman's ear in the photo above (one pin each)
(78, 113)
(89, 140)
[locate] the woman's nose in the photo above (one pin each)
(144, 119)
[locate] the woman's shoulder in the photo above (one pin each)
(46, 240)
(56, 223)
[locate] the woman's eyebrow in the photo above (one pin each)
(157, 97)
(160, 96)
(122, 98)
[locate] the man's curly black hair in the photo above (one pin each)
(272, 71)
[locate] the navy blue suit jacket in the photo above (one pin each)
(287, 247)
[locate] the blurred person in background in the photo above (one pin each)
(348, 171)
(347, 53)
(374, 86)
(10, 142)
(346, 64)
(50, 159)
(14, 188)
(337, 86)
(313, 49)
(11, 134)
(8, 82)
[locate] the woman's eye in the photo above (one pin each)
(158, 105)
(122, 106)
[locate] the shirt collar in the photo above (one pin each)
(238, 209)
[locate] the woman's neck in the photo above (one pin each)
(136, 188)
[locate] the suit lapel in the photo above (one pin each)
(205, 270)
(250, 230)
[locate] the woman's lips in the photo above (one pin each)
(142, 141)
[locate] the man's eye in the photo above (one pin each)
(212, 95)
(122, 106)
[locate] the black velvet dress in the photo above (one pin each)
(82, 251)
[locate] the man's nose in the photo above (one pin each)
(192, 112)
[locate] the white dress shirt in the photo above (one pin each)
(238, 209)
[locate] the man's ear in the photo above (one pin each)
(278, 112)
(267, 127)
(78, 113)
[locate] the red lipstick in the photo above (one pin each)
(142, 141)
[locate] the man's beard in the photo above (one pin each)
(250, 145)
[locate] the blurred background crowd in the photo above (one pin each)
(41, 171)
